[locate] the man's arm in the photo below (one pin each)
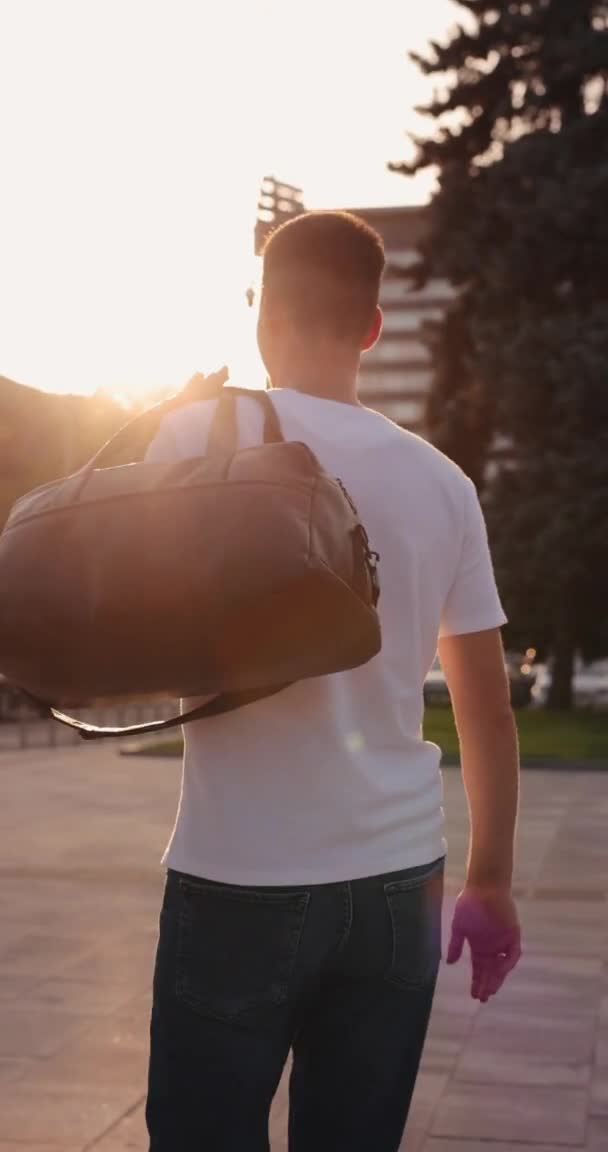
(477, 680)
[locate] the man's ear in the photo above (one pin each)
(374, 332)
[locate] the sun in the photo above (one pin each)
(211, 322)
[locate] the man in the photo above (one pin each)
(303, 904)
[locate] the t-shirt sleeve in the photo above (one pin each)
(183, 433)
(163, 448)
(472, 603)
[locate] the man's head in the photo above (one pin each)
(321, 284)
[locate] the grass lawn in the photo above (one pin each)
(549, 735)
(544, 735)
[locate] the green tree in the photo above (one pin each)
(458, 408)
(519, 225)
(44, 436)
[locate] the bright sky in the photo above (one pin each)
(133, 139)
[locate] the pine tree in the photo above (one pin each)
(458, 412)
(519, 225)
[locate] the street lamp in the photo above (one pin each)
(278, 203)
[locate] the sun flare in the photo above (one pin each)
(135, 140)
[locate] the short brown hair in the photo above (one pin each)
(325, 270)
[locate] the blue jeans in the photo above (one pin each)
(341, 974)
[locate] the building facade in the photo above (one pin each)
(396, 374)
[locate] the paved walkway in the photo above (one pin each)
(81, 831)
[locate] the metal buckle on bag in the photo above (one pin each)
(371, 558)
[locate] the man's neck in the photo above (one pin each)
(328, 380)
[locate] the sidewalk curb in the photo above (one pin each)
(538, 763)
(532, 764)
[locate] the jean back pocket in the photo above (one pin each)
(236, 947)
(414, 905)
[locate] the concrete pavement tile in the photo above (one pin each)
(14, 988)
(135, 1013)
(527, 1000)
(512, 1113)
(21, 1147)
(12, 1070)
(440, 1055)
(557, 1041)
(109, 968)
(278, 1128)
(546, 984)
(37, 1032)
(428, 1091)
(279, 1113)
(129, 1135)
(455, 1003)
(142, 940)
(597, 1134)
(78, 996)
(454, 979)
(599, 1094)
(38, 953)
(484, 1065)
(601, 1049)
(430, 1086)
(561, 926)
(548, 964)
(545, 981)
(434, 1144)
(130, 1030)
(64, 1116)
(413, 1139)
(450, 1026)
(93, 1061)
(564, 942)
(553, 907)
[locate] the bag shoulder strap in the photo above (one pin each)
(224, 431)
(226, 702)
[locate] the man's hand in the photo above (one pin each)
(201, 385)
(485, 914)
(487, 918)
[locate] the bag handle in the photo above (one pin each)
(143, 427)
(225, 702)
(224, 431)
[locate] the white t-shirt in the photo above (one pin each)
(331, 780)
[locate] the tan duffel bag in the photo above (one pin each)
(233, 574)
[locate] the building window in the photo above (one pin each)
(407, 412)
(408, 320)
(389, 351)
(435, 290)
(400, 381)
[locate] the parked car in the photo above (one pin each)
(589, 684)
(435, 686)
(521, 673)
(522, 678)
